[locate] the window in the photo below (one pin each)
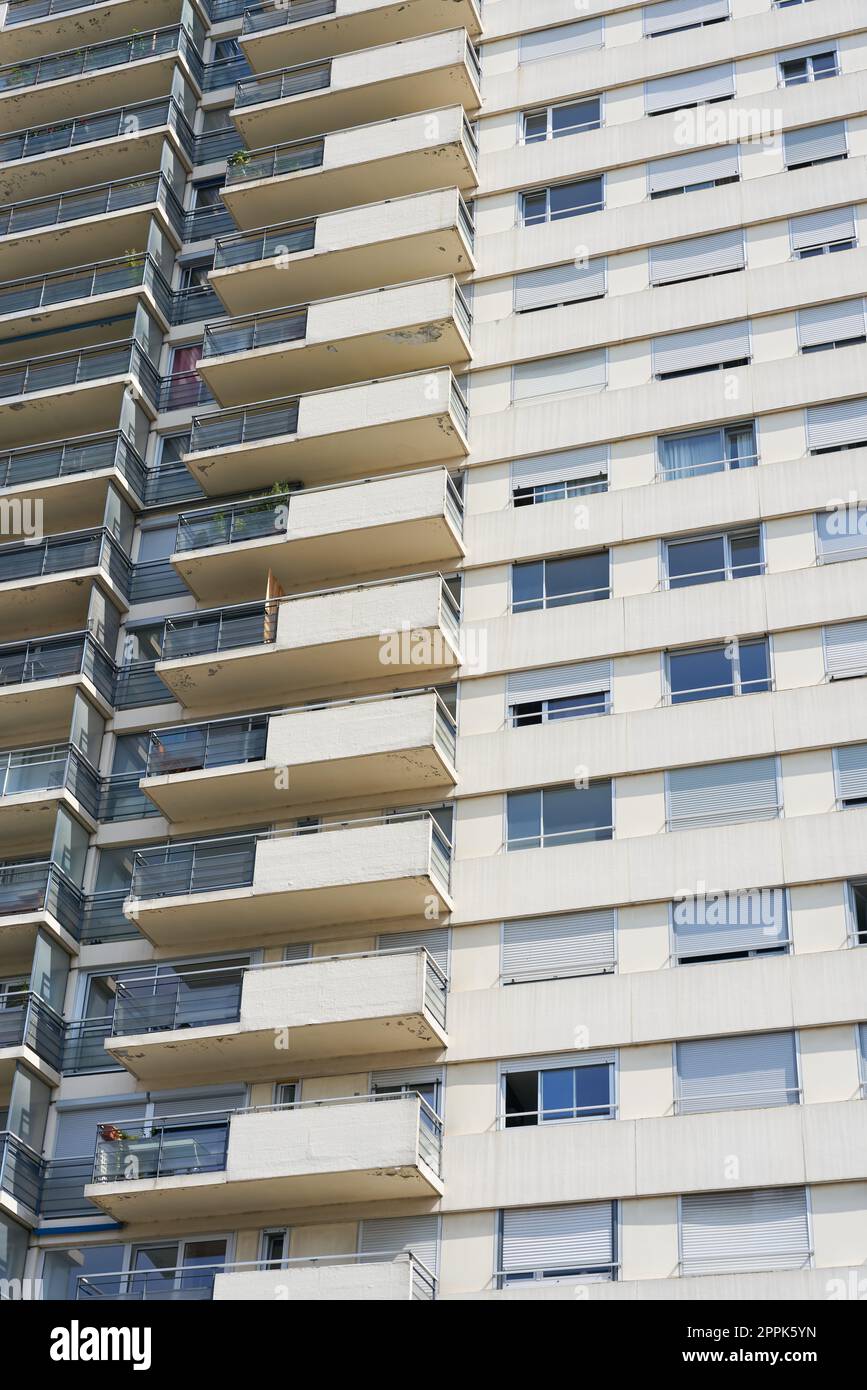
(823, 233)
(815, 144)
(861, 1039)
(556, 1089)
(557, 477)
(561, 692)
(570, 118)
(178, 1269)
(407, 1081)
(567, 1242)
(692, 171)
(845, 650)
(722, 794)
(275, 1248)
(558, 285)
(708, 451)
(562, 200)
(712, 559)
(673, 16)
(287, 1093)
(559, 947)
(696, 259)
(559, 816)
(727, 668)
(826, 326)
(714, 349)
(841, 534)
(729, 926)
(663, 95)
(552, 376)
(795, 70)
(565, 38)
(850, 767)
(540, 584)
(858, 912)
(741, 1073)
(840, 425)
(731, 1232)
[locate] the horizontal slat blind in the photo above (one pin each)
(821, 228)
(557, 1061)
(565, 38)
(672, 14)
(831, 323)
(846, 650)
(687, 88)
(570, 943)
(76, 1129)
(217, 1101)
(570, 466)
(301, 951)
(416, 1234)
(744, 1230)
(723, 793)
(703, 347)
(730, 922)
(703, 255)
(837, 424)
(555, 682)
(752, 1070)
(435, 942)
(559, 284)
(841, 535)
(814, 142)
(408, 1076)
(852, 771)
(698, 166)
(576, 371)
(550, 1238)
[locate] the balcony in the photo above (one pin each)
(30, 1031)
(46, 586)
(34, 782)
(381, 635)
(332, 436)
(39, 681)
(390, 159)
(20, 1178)
(330, 1007)
(242, 889)
(72, 478)
(98, 148)
(385, 745)
(337, 532)
(357, 1149)
(36, 896)
(31, 27)
(139, 67)
(304, 30)
(69, 394)
(332, 342)
(83, 298)
(342, 253)
(45, 234)
(353, 89)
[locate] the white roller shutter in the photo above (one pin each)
(546, 948)
(852, 772)
(565, 38)
(842, 534)
(547, 1239)
(408, 1076)
(837, 425)
(728, 923)
(576, 371)
(723, 793)
(570, 466)
(698, 166)
(831, 323)
(732, 1231)
(703, 255)
(76, 1129)
(418, 1235)
(557, 1061)
(559, 284)
(703, 347)
(689, 88)
(822, 228)
(556, 682)
(671, 15)
(746, 1072)
(814, 142)
(846, 650)
(862, 1047)
(435, 942)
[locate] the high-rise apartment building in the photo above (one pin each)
(433, 631)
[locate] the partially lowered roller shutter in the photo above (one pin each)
(703, 255)
(548, 948)
(557, 682)
(559, 284)
(435, 942)
(703, 347)
(733, 1231)
(563, 38)
(838, 425)
(545, 1240)
(570, 466)
(852, 773)
(723, 794)
(746, 1072)
(698, 166)
(672, 15)
(814, 143)
(846, 650)
(823, 324)
(841, 534)
(822, 228)
(417, 1235)
(730, 923)
(689, 88)
(576, 371)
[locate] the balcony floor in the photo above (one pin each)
(75, 29)
(100, 90)
(56, 324)
(68, 412)
(100, 238)
(370, 27)
(41, 711)
(60, 171)
(54, 603)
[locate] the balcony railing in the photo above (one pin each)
(243, 425)
(62, 1189)
(41, 886)
(97, 201)
(96, 57)
(221, 10)
(136, 684)
(20, 1171)
(183, 390)
(212, 145)
(154, 579)
(51, 658)
(252, 331)
(183, 869)
(121, 798)
(288, 158)
(27, 1021)
(93, 129)
(23, 11)
(195, 304)
(79, 368)
(284, 239)
(78, 550)
(283, 83)
(170, 482)
(83, 1050)
(200, 224)
(92, 454)
(293, 12)
(103, 921)
(87, 282)
(54, 768)
(225, 72)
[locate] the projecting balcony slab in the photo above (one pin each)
(71, 480)
(389, 159)
(334, 1007)
(36, 897)
(333, 1278)
(77, 309)
(49, 27)
(333, 342)
(300, 33)
(341, 253)
(39, 683)
(332, 436)
(70, 395)
(46, 587)
(355, 89)
(363, 1151)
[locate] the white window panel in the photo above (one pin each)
(689, 88)
(813, 143)
(730, 923)
(846, 650)
(541, 1240)
(723, 793)
(565, 38)
(571, 943)
(559, 284)
(728, 1232)
(841, 534)
(672, 15)
(744, 1072)
(703, 347)
(704, 255)
(576, 371)
(831, 323)
(822, 228)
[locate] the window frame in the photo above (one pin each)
(809, 59)
(853, 932)
(558, 841)
(542, 605)
(724, 432)
(781, 948)
(548, 110)
(540, 1068)
(726, 537)
(737, 683)
(503, 1281)
(525, 193)
(672, 829)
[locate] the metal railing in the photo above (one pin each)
(88, 454)
(225, 72)
(51, 658)
(214, 145)
(243, 425)
(201, 224)
(102, 125)
(103, 920)
(62, 1188)
(26, 1020)
(78, 368)
(153, 579)
(83, 1050)
(96, 201)
(136, 683)
(293, 12)
(252, 331)
(55, 767)
(99, 56)
(281, 239)
(121, 798)
(283, 83)
(182, 390)
(195, 304)
(87, 282)
(21, 1171)
(675, 471)
(64, 554)
(289, 158)
(41, 886)
(169, 482)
